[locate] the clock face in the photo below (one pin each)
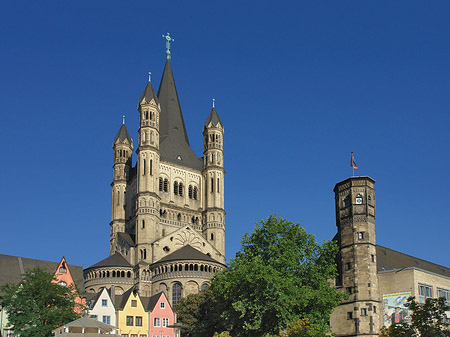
(359, 200)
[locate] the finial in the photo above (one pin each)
(123, 119)
(213, 101)
(149, 76)
(168, 39)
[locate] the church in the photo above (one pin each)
(168, 217)
(168, 224)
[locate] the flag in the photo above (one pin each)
(353, 163)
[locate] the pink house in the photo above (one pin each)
(161, 316)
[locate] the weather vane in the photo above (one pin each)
(123, 119)
(168, 39)
(213, 101)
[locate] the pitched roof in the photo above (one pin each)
(389, 259)
(122, 135)
(121, 300)
(128, 239)
(213, 118)
(148, 94)
(174, 142)
(85, 322)
(115, 260)
(187, 253)
(150, 302)
(12, 268)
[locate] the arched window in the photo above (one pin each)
(212, 236)
(152, 115)
(176, 293)
(151, 167)
(161, 184)
(143, 171)
(146, 115)
(212, 184)
(190, 192)
(180, 189)
(175, 188)
(195, 193)
(143, 224)
(218, 185)
(145, 254)
(166, 184)
(204, 286)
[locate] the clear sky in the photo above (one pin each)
(298, 86)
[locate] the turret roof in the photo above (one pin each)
(122, 135)
(149, 94)
(174, 142)
(213, 118)
(115, 260)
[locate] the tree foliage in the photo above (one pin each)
(427, 320)
(280, 275)
(37, 305)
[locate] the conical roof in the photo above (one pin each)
(148, 94)
(174, 142)
(213, 118)
(122, 135)
(115, 260)
(187, 253)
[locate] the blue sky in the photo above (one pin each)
(298, 85)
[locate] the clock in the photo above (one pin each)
(359, 199)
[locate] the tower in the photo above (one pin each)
(147, 228)
(213, 176)
(123, 150)
(355, 219)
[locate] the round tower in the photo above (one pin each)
(148, 156)
(213, 176)
(123, 151)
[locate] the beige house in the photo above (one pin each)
(168, 216)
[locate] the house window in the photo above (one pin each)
(106, 319)
(104, 303)
(129, 320)
(162, 305)
(363, 312)
(134, 335)
(142, 335)
(360, 235)
(350, 315)
(138, 320)
(63, 269)
(134, 303)
(124, 335)
(93, 317)
(157, 322)
(62, 283)
(348, 266)
(176, 293)
(425, 291)
(443, 293)
(165, 322)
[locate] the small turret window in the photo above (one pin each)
(144, 162)
(143, 224)
(175, 188)
(212, 236)
(151, 167)
(218, 185)
(146, 115)
(212, 184)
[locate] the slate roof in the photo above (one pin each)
(187, 253)
(115, 260)
(389, 259)
(12, 268)
(174, 143)
(122, 135)
(121, 300)
(148, 94)
(128, 239)
(214, 118)
(150, 302)
(89, 324)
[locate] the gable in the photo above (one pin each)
(181, 238)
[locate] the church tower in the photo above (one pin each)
(213, 176)
(359, 315)
(123, 150)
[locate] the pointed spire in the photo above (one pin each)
(149, 76)
(213, 118)
(171, 120)
(123, 134)
(149, 93)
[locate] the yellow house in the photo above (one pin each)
(132, 319)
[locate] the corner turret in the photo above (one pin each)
(213, 174)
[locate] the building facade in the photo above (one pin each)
(169, 200)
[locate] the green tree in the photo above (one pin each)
(280, 275)
(427, 320)
(37, 305)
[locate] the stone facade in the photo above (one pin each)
(168, 200)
